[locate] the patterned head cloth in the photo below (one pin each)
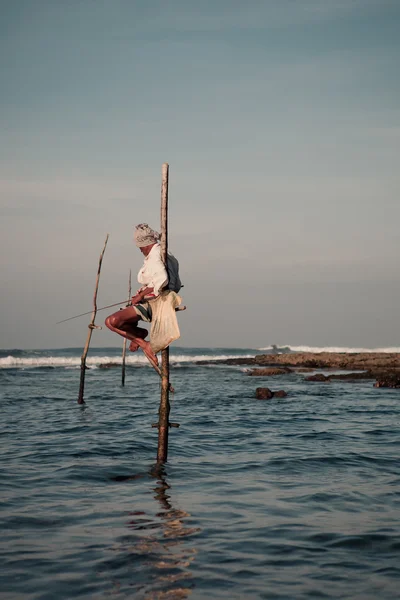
(145, 235)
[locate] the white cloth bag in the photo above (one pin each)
(164, 325)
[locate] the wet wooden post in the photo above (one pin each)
(125, 340)
(91, 327)
(163, 419)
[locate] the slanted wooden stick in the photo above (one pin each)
(163, 421)
(125, 340)
(91, 327)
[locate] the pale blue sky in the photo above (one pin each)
(281, 123)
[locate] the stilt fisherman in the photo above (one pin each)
(155, 278)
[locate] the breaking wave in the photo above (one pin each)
(12, 362)
(342, 349)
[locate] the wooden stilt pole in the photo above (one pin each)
(163, 420)
(91, 327)
(125, 340)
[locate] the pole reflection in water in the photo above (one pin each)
(160, 555)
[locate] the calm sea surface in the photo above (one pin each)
(287, 498)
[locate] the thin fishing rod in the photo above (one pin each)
(90, 311)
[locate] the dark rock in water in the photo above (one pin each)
(317, 377)
(264, 394)
(391, 381)
(109, 365)
(228, 361)
(267, 394)
(269, 371)
(280, 394)
(352, 376)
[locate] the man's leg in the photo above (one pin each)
(124, 322)
(136, 332)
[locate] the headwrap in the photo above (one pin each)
(145, 235)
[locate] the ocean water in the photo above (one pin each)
(288, 498)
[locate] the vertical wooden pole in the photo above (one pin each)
(163, 420)
(125, 340)
(91, 327)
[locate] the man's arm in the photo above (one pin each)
(142, 294)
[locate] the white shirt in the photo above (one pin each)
(153, 274)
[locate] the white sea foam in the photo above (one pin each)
(334, 349)
(94, 361)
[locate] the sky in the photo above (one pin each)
(280, 120)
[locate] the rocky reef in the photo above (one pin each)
(372, 361)
(384, 367)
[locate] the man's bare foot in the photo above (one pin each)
(151, 357)
(145, 346)
(133, 346)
